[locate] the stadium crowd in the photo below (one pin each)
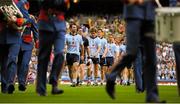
(166, 62)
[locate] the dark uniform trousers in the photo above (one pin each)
(25, 53)
(9, 49)
(138, 71)
(140, 25)
(52, 29)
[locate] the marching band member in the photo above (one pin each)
(139, 16)
(30, 32)
(52, 30)
(10, 35)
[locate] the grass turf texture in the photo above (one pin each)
(88, 94)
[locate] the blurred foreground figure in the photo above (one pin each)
(176, 47)
(139, 17)
(52, 30)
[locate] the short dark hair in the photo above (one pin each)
(93, 30)
(100, 29)
(72, 25)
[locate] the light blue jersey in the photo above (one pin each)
(122, 49)
(112, 50)
(103, 45)
(93, 45)
(73, 43)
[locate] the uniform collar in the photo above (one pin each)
(73, 34)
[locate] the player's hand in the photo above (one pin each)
(103, 56)
(116, 60)
(95, 54)
(89, 61)
(82, 57)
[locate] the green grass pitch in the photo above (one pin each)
(88, 94)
